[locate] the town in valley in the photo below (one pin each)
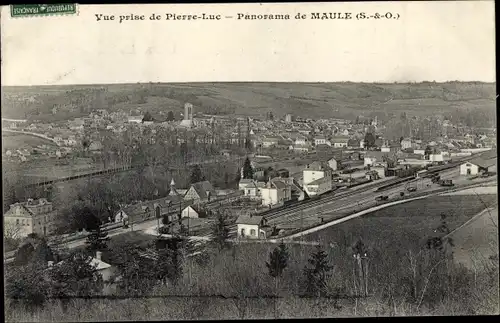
(251, 190)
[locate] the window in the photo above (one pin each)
(252, 232)
(22, 222)
(468, 171)
(243, 232)
(17, 221)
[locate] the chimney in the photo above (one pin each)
(98, 255)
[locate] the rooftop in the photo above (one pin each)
(250, 219)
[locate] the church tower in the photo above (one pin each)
(188, 116)
(173, 191)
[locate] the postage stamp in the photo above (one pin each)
(31, 10)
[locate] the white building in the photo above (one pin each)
(135, 119)
(33, 216)
(270, 142)
(188, 120)
(333, 164)
(317, 179)
(340, 142)
(477, 166)
(251, 227)
(436, 157)
(274, 193)
(250, 188)
(374, 158)
(301, 141)
(322, 141)
(406, 143)
(193, 212)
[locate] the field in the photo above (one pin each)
(477, 241)
(14, 141)
(407, 224)
(308, 100)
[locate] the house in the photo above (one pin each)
(284, 184)
(339, 142)
(374, 158)
(150, 209)
(477, 166)
(32, 216)
(354, 143)
(251, 227)
(333, 164)
(270, 142)
(273, 194)
(319, 186)
(300, 148)
(301, 141)
(406, 143)
(250, 188)
(317, 179)
(321, 140)
(200, 192)
(135, 119)
(194, 212)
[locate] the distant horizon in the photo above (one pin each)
(245, 82)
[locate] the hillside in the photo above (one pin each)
(313, 100)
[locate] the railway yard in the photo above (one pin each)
(331, 206)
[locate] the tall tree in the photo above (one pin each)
(317, 274)
(147, 117)
(196, 174)
(220, 231)
(428, 151)
(170, 116)
(75, 276)
(27, 284)
(247, 169)
(369, 140)
(278, 260)
(97, 240)
(169, 264)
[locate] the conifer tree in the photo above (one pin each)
(220, 232)
(278, 260)
(317, 273)
(97, 240)
(247, 169)
(196, 174)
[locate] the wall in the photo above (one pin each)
(271, 196)
(24, 230)
(333, 164)
(474, 150)
(436, 157)
(312, 175)
(189, 213)
(474, 169)
(247, 228)
(319, 189)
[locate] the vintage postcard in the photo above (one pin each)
(246, 161)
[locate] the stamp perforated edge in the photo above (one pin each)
(51, 14)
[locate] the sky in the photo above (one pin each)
(431, 41)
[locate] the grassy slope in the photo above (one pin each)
(406, 224)
(301, 99)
